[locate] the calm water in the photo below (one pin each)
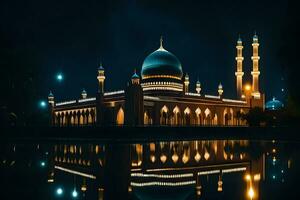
(196, 169)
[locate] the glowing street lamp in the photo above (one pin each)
(42, 163)
(74, 193)
(43, 104)
(59, 191)
(59, 77)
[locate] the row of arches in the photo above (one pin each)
(75, 117)
(189, 117)
(199, 117)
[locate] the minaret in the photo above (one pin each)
(51, 99)
(135, 79)
(186, 83)
(255, 71)
(83, 94)
(134, 102)
(239, 68)
(51, 103)
(100, 119)
(198, 86)
(220, 89)
(101, 78)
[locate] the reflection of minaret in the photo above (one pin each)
(255, 71)
(239, 68)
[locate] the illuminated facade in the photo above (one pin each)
(161, 95)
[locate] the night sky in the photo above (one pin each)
(42, 38)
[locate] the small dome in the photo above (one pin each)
(50, 94)
(220, 86)
(135, 76)
(83, 91)
(100, 67)
(161, 62)
(274, 104)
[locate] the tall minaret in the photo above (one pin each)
(51, 103)
(198, 86)
(186, 83)
(101, 78)
(239, 68)
(255, 71)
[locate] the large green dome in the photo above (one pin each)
(161, 63)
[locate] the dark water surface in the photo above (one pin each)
(95, 169)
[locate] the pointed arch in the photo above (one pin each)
(120, 117)
(231, 117)
(176, 119)
(147, 120)
(164, 115)
(215, 120)
(198, 114)
(187, 116)
(81, 117)
(207, 118)
(225, 117)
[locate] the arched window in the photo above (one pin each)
(231, 117)
(146, 118)
(215, 120)
(225, 117)
(176, 116)
(198, 120)
(187, 116)
(164, 115)
(81, 118)
(120, 117)
(207, 119)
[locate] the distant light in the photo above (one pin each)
(43, 104)
(59, 191)
(282, 90)
(59, 77)
(282, 171)
(43, 164)
(274, 177)
(74, 193)
(247, 87)
(248, 177)
(251, 193)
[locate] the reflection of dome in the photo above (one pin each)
(162, 70)
(274, 104)
(161, 62)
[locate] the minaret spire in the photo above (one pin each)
(161, 44)
(239, 67)
(255, 67)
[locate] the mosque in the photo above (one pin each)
(161, 95)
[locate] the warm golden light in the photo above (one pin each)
(251, 193)
(247, 87)
(256, 177)
(248, 177)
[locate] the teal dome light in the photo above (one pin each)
(274, 104)
(161, 62)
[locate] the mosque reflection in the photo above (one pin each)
(199, 169)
